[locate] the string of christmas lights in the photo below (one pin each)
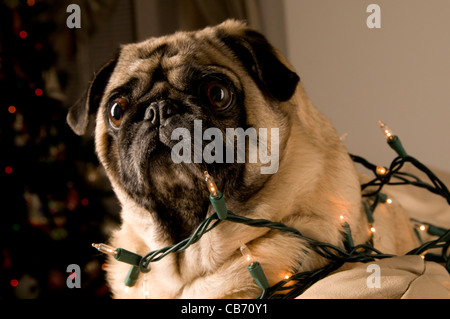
(384, 175)
(294, 285)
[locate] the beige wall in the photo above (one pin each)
(357, 76)
(271, 20)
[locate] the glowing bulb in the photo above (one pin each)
(422, 227)
(212, 187)
(105, 249)
(381, 171)
(341, 217)
(245, 251)
(285, 275)
(126, 289)
(216, 198)
(372, 229)
(389, 201)
(254, 268)
(393, 141)
(386, 131)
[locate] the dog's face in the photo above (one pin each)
(226, 77)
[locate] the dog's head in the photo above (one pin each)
(156, 103)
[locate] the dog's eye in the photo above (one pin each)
(218, 95)
(116, 111)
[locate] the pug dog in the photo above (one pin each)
(226, 76)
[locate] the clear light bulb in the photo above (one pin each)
(245, 251)
(386, 130)
(212, 187)
(105, 249)
(254, 268)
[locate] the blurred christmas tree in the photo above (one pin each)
(50, 183)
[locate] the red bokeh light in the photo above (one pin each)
(23, 34)
(12, 109)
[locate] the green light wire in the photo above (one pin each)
(299, 282)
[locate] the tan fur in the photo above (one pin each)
(316, 183)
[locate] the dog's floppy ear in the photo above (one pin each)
(78, 115)
(262, 62)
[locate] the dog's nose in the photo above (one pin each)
(159, 112)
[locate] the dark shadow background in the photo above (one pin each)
(55, 198)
